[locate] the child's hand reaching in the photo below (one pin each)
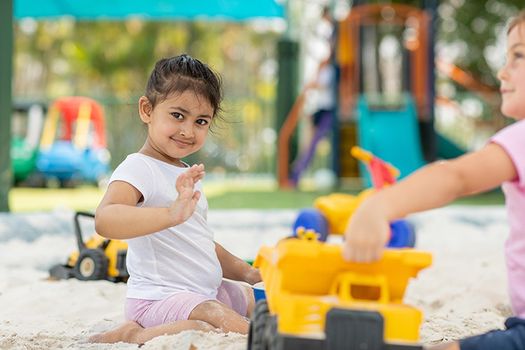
(367, 233)
(184, 206)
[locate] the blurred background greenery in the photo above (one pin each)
(110, 61)
(221, 195)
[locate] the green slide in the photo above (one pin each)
(447, 149)
(391, 133)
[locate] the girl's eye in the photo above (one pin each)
(515, 55)
(202, 121)
(177, 115)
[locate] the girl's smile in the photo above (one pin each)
(182, 143)
(512, 75)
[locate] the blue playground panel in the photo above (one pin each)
(390, 134)
(64, 162)
(95, 164)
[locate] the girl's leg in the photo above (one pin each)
(251, 301)
(220, 316)
(238, 296)
(150, 318)
(158, 312)
(172, 315)
(132, 332)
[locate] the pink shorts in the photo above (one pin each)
(149, 313)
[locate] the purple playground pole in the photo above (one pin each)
(321, 130)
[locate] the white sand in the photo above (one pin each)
(463, 293)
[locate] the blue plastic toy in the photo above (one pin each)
(402, 231)
(332, 213)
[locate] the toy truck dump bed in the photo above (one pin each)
(316, 300)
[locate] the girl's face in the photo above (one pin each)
(177, 126)
(512, 75)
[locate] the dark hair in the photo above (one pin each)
(515, 21)
(182, 73)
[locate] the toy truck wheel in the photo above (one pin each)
(92, 264)
(271, 335)
(256, 334)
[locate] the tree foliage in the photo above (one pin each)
(476, 28)
(110, 61)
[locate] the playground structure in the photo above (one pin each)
(396, 123)
(331, 213)
(28, 119)
(73, 145)
(316, 300)
(366, 111)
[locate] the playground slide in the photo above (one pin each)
(446, 148)
(391, 133)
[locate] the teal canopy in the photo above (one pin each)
(236, 10)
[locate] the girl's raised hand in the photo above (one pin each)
(367, 233)
(184, 206)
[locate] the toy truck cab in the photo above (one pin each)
(316, 300)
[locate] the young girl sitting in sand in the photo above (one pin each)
(500, 162)
(154, 202)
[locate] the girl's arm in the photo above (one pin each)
(236, 269)
(118, 217)
(430, 187)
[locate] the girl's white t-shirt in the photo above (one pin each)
(181, 258)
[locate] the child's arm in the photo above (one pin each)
(118, 217)
(430, 187)
(445, 346)
(236, 269)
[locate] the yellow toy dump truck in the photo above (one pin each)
(316, 300)
(97, 258)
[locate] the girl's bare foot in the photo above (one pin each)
(124, 333)
(132, 332)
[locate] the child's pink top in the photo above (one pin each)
(512, 139)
